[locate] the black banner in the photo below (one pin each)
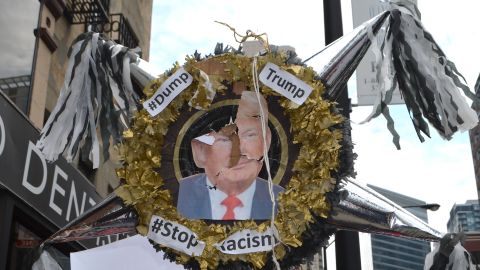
(56, 190)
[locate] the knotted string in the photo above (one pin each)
(249, 34)
(243, 38)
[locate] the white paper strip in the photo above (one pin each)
(210, 91)
(253, 48)
(208, 139)
(169, 89)
(248, 241)
(285, 83)
(174, 235)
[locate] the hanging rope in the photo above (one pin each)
(265, 158)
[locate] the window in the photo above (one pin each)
(18, 90)
(46, 115)
(476, 138)
(23, 246)
(110, 189)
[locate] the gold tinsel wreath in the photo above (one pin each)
(311, 126)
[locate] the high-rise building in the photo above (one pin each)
(38, 197)
(396, 253)
(465, 217)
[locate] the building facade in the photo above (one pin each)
(39, 197)
(396, 253)
(474, 134)
(464, 217)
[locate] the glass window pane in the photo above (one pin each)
(22, 247)
(23, 250)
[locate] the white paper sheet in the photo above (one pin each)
(128, 254)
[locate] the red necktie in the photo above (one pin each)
(231, 202)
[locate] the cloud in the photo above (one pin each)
(17, 43)
(181, 28)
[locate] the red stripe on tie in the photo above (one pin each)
(231, 202)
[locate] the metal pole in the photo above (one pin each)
(347, 245)
(347, 249)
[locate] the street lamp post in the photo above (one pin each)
(428, 206)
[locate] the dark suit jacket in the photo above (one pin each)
(194, 202)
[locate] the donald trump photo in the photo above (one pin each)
(232, 158)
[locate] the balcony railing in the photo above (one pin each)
(87, 11)
(117, 29)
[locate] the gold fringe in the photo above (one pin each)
(311, 126)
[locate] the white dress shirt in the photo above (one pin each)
(241, 212)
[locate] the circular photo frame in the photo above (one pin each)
(168, 158)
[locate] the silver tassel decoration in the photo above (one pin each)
(409, 57)
(97, 93)
(428, 82)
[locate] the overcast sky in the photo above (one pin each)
(436, 171)
(18, 18)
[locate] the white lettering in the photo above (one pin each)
(2, 136)
(56, 187)
(73, 199)
(169, 89)
(25, 183)
(108, 239)
(103, 240)
(91, 202)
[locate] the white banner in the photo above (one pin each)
(169, 89)
(174, 235)
(248, 241)
(285, 83)
(131, 253)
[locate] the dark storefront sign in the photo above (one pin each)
(56, 190)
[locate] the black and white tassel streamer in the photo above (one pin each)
(428, 82)
(407, 56)
(97, 93)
